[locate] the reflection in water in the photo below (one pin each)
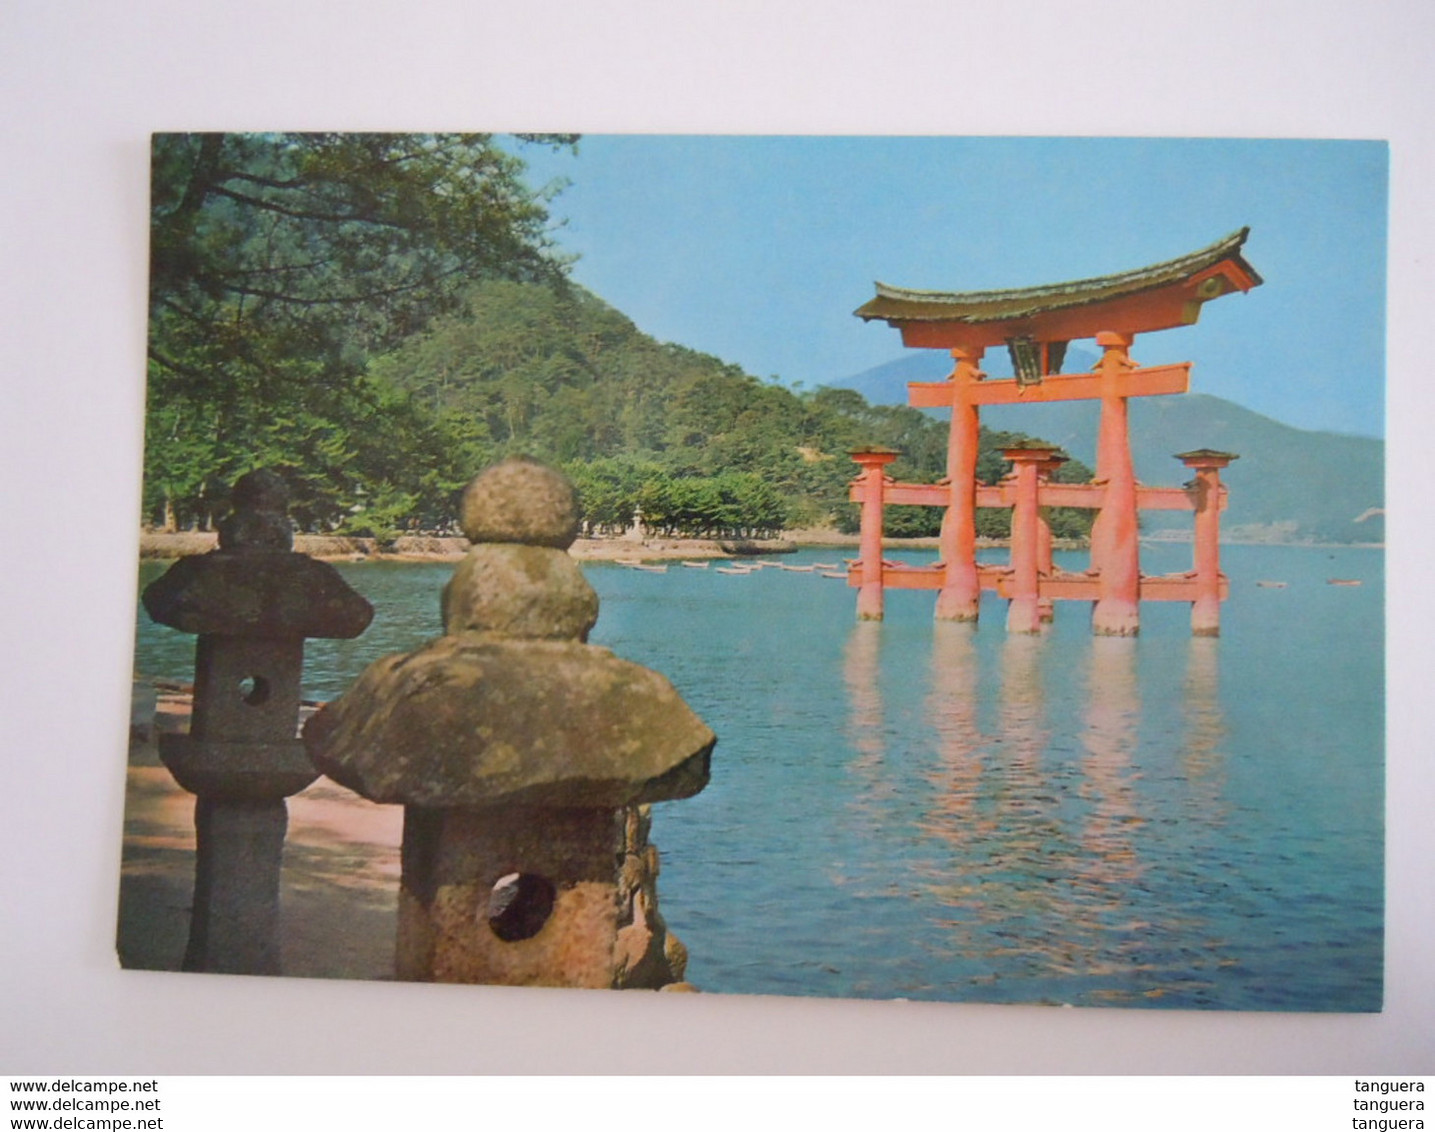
(1009, 858)
(861, 671)
(1109, 868)
(864, 694)
(1203, 759)
(1040, 878)
(963, 817)
(1113, 711)
(951, 708)
(1023, 725)
(1015, 881)
(1026, 850)
(987, 799)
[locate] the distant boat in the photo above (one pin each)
(1342, 581)
(1272, 585)
(650, 569)
(825, 565)
(734, 569)
(833, 574)
(796, 569)
(695, 565)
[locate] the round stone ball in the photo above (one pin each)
(520, 501)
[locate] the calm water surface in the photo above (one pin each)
(916, 810)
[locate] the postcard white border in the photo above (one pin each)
(85, 84)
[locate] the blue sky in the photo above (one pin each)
(758, 249)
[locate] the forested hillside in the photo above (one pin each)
(696, 443)
(701, 447)
(379, 316)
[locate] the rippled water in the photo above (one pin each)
(911, 809)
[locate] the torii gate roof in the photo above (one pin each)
(1156, 297)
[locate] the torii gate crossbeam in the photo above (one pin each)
(1036, 324)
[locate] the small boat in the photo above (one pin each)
(650, 569)
(833, 574)
(734, 569)
(825, 565)
(695, 565)
(1342, 581)
(1272, 585)
(796, 569)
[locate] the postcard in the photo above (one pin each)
(929, 568)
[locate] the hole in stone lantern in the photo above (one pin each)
(519, 906)
(254, 690)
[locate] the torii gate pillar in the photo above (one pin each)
(1046, 607)
(1037, 324)
(869, 597)
(960, 595)
(1030, 536)
(1206, 609)
(1115, 549)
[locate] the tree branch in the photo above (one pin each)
(303, 214)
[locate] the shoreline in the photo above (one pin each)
(167, 546)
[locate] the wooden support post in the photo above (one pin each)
(1206, 609)
(869, 597)
(1045, 562)
(1024, 613)
(1115, 550)
(960, 595)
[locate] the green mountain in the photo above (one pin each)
(698, 444)
(563, 376)
(1290, 484)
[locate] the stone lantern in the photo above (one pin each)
(525, 759)
(252, 602)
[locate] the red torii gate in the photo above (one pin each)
(1036, 324)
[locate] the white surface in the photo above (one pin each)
(82, 86)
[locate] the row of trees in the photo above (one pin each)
(613, 490)
(926, 522)
(381, 315)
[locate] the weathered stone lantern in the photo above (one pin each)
(252, 602)
(525, 759)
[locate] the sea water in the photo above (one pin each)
(911, 809)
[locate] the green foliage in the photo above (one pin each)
(1065, 522)
(380, 315)
(697, 444)
(385, 518)
(613, 490)
(995, 523)
(279, 264)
